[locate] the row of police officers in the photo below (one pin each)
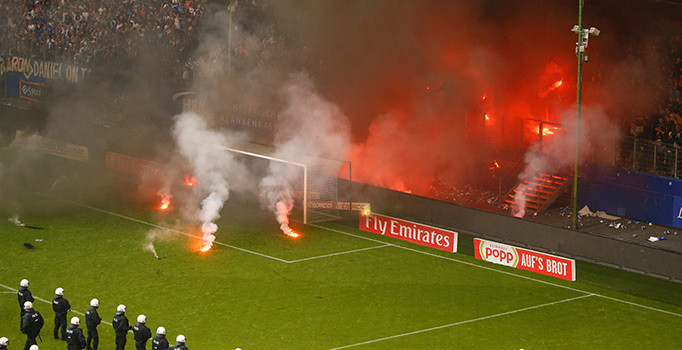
(32, 322)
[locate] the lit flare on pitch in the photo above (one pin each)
(165, 203)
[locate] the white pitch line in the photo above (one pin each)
(163, 228)
(464, 322)
(47, 302)
(339, 253)
(506, 272)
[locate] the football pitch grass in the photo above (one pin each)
(335, 287)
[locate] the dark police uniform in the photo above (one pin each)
(92, 319)
(31, 324)
(75, 340)
(179, 346)
(160, 342)
(61, 308)
(24, 295)
(121, 327)
(142, 333)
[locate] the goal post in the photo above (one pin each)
(317, 192)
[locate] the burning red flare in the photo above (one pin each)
(487, 117)
(291, 233)
(557, 84)
(165, 203)
(545, 131)
(206, 247)
(189, 181)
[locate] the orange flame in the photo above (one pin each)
(557, 84)
(291, 233)
(205, 247)
(487, 117)
(165, 203)
(189, 181)
(545, 131)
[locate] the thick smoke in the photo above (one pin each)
(215, 169)
(598, 138)
(311, 129)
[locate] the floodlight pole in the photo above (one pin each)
(231, 9)
(580, 52)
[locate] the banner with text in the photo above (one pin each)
(507, 255)
(410, 231)
(54, 147)
(339, 205)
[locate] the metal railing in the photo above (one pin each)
(654, 157)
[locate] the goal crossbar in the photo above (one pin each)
(305, 174)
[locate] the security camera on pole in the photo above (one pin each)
(581, 45)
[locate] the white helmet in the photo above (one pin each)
(34, 347)
(59, 291)
(94, 302)
(180, 339)
(161, 330)
(75, 320)
(23, 283)
(142, 319)
(28, 305)
(4, 341)
(121, 308)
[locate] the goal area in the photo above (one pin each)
(312, 182)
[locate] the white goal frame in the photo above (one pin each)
(305, 174)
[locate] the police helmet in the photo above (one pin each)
(142, 319)
(59, 291)
(94, 302)
(28, 305)
(23, 283)
(121, 308)
(180, 339)
(34, 347)
(75, 320)
(4, 341)
(161, 330)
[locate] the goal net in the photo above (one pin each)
(311, 184)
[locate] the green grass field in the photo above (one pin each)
(334, 287)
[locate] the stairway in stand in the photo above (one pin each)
(540, 191)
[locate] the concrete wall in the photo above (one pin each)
(507, 229)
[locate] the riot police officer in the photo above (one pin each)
(92, 320)
(31, 324)
(179, 343)
(160, 342)
(75, 340)
(141, 332)
(61, 308)
(121, 327)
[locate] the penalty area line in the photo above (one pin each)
(465, 322)
(161, 227)
(339, 253)
(505, 272)
(47, 302)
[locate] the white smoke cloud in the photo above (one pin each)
(598, 137)
(310, 128)
(214, 168)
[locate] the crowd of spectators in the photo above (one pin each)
(665, 126)
(88, 32)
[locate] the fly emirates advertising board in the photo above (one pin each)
(410, 231)
(524, 259)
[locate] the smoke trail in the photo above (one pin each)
(310, 127)
(213, 167)
(598, 135)
(152, 236)
(15, 220)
